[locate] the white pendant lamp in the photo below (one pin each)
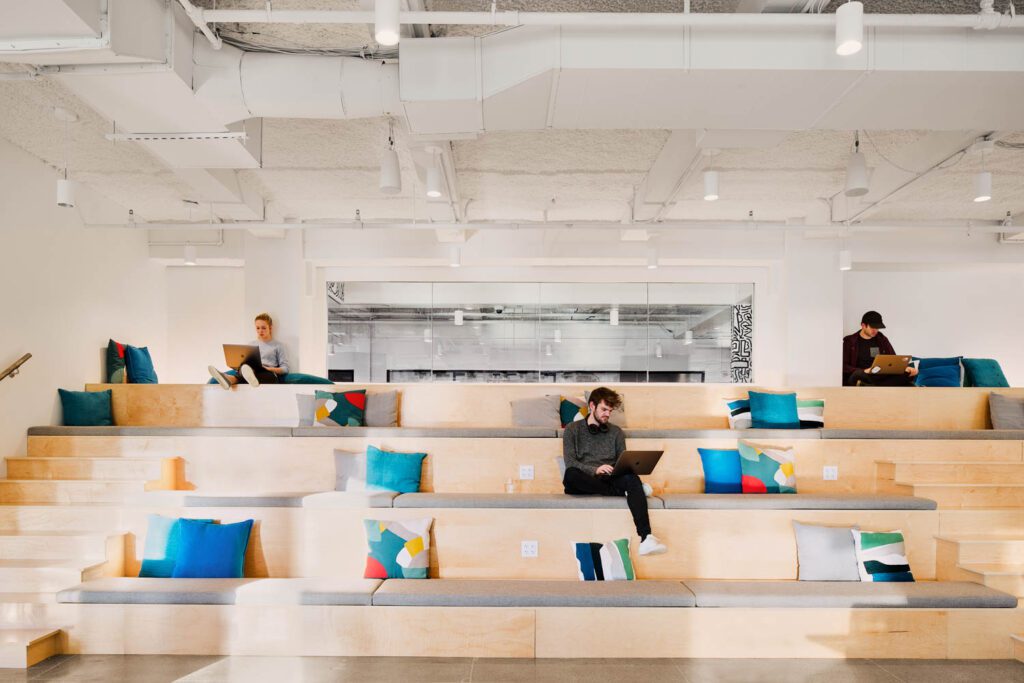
(65, 192)
(982, 186)
(433, 182)
(613, 317)
(856, 172)
(390, 171)
(191, 257)
(652, 260)
(386, 28)
(455, 257)
(849, 29)
(657, 350)
(459, 317)
(845, 260)
(710, 186)
(547, 350)
(558, 337)
(688, 337)
(65, 186)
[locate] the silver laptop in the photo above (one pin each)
(637, 462)
(237, 355)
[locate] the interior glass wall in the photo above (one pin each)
(539, 332)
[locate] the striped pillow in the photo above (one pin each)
(738, 411)
(608, 562)
(881, 556)
(811, 413)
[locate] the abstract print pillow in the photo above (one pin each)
(572, 408)
(608, 562)
(766, 469)
(882, 556)
(343, 409)
(397, 549)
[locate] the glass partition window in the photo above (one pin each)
(539, 332)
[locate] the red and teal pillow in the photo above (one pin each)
(397, 549)
(882, 556)
(766, 469)
(116, 371)
(342, 409)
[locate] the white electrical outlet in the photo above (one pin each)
(525, 472)
(530, 549)
(830, 472)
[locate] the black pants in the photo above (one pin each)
(264, 376)
(870, 380)
(579, 483)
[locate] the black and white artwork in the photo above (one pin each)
(740, 367)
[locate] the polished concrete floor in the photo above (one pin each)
(190, 669)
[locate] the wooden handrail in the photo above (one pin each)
(12, 370)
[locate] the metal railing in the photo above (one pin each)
(14, 368)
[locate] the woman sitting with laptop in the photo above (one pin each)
(271, 365)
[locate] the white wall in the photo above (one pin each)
(205, 309)
(65, 291)
(978, 313)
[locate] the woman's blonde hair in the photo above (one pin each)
(266, 318)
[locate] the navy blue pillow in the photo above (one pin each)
(139, 365)
(212, 551)
(722, 471)
(939, 376)
(925, 363)
(773, 411)
(86, 408)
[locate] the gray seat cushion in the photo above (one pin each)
(429, 432)
(512, 593)
(723, 433)
(266, 500)
(792, 501)
(924, 434)
(516, 500)
(137, 591)
(160, 431)
(847, 594)
(350, 499)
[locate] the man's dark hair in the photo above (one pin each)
(605, 394)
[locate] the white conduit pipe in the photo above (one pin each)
(610, 19)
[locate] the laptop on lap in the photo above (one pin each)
(237, 355)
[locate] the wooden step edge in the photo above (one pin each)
(992, 570)
(73, 481)
(24, 648)
(951, 485)
(979, 539)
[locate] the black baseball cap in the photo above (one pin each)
(873, 319)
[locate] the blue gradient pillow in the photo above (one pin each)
(722, 473)
(163, 541)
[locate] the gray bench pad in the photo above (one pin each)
(516, 500)
(847, 594)
(160, 431)
(430, 432)
(787, 434)
(146, 591)
(513, 593)
(926, 434)
(792, 501)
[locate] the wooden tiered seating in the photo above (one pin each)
(243, 450)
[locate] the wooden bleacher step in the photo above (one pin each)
(55, 517)
(22, 648)
(1018, 646)
(66, 491)
(951, 472)
(55, 545)
(47, 576)
(962, 496)
(81, 468)
(1008, 578)
(987, 549)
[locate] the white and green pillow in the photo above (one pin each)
(604, 562)
(881, 556)
(811, 412)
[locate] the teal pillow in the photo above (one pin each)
(387, 471)
(139, 365)
(86, 408)
(983, 372)
(926, 363)
(939, 376)
(212, 551)
(722, 472)
(301, 378)
(773, 411)
(163, 542)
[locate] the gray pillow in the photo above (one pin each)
(1007, 411)
(307, 409)
(536, 412)
(826, 553)
(381, 409)
(350, 471)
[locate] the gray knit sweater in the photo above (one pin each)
(588, 451)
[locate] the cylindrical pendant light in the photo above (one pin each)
(390, 172)
(613, 317)
(65, 193)
(856, 171)
(458, 317)
(845, 260)
(386, 28)
(433, 181)
(191, 255)
(849, 29)
(983, 186)
(710, 186)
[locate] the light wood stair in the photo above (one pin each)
(67, 491)
(950, 472)
(1018, 646)
(22, 648)
(79, 468)
(56, 545)
(996, 561)
(49, 576)
(965, 495)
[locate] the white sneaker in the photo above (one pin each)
(249, 375)
(648, 491)
(652, 546)
(221, 378)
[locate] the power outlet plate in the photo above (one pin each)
(830, 472)
(529, 549)
(526, 472)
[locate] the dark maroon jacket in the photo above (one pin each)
(850, 353)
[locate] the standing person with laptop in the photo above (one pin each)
(591, 448)
(860, 350)
(273, 359)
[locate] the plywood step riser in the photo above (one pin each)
(22, 492)
(30, 518)
(38, 579)
(957, 473)
(20, 649)
(1018, 649)
(995, 552)
(1012, 584)
(966, 496)
(130, 469)
(28, 547)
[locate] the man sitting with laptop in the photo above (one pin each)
(869, 359)
(263, 361)
(591, 448)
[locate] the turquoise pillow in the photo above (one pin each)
(163, 542)
(139, 366)
(773, 411)
(301, 378)
(387, 471)
(983, 372)
(721, 470)
(212, 551)
(86, 408)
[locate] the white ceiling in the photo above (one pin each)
(328, 169)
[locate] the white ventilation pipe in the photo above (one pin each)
(240, 85)
(611, 19)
